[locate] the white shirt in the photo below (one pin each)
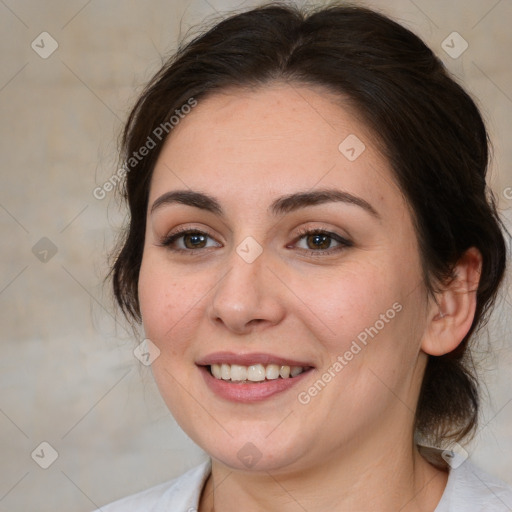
(469, 489)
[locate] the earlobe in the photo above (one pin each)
(451, 318)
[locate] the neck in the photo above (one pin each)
(392, 480)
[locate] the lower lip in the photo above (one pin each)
(249, 392)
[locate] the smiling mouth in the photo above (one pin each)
(255, 373)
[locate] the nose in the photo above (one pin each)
(247, 297)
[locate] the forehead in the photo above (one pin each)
(270, 141)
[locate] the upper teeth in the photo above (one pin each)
(255, 372)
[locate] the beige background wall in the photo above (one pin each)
(67, 373)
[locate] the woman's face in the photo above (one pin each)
(288, 245)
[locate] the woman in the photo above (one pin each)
(311, 249)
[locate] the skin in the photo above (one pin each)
(351, 447)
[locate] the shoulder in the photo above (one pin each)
(470, 489)
(181, 493)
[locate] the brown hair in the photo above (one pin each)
(429, 128)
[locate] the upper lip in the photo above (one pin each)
(249, 359)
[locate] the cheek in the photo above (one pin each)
(168, 304)
(365, 317)
(343, 303)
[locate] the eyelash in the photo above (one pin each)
(343, 242)
(168, 240)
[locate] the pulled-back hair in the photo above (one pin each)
(425, 124)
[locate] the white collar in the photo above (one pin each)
(469, 489)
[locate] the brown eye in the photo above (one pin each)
(189, 241)
(318, 241)
(194, 240)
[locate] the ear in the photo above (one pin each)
(450, 319)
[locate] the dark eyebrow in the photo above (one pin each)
(280, 206)
(298, 200)
(190, 198)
